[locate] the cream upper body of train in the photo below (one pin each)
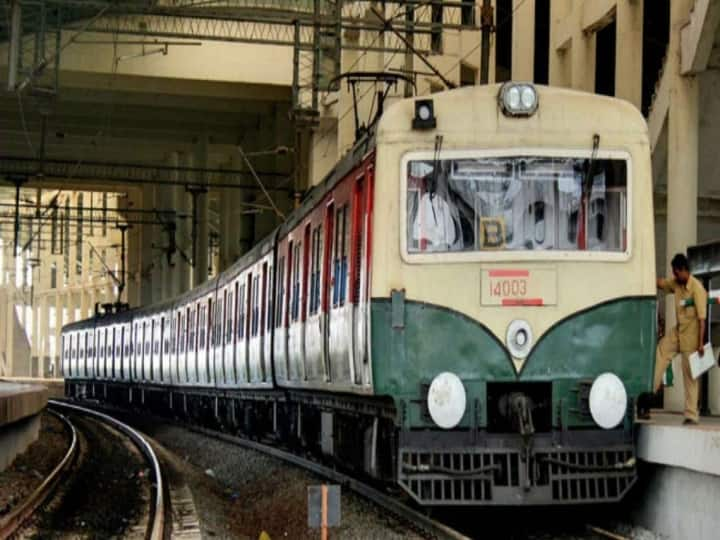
(465, 306)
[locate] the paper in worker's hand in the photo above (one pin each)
(700, 364)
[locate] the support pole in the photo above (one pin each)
(486, 26)
(15, 37)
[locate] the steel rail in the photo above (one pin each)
(10, 524)
(156, 526)
(419, 520)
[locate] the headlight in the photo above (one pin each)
(519, 338)
(446, 400)
(518, 99)
(608, 400)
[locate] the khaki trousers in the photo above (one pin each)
(666, 350)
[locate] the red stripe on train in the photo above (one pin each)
(522, 302)
(509, 273)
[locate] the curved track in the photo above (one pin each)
(13, 521)
(156, 525)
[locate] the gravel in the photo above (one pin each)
(241, 493)
(31, 467)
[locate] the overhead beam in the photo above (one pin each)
(698, 36)
(132, 173)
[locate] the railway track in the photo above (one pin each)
(418, 521)
(11, 524)
(15, 519)
(157, 523)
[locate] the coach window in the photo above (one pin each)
(340, 258)
(270, 301)
(192, 320)
(255, 305)
(522, 203)
(315, 267)
(229, 310)
(280, 302)
(183, 334)
(201, 328)
(241, 312)
(296, 259)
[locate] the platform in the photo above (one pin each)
(679, 493)
(665, 441)
(20, 408)
(55, 386)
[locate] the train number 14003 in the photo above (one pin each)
(508, 288)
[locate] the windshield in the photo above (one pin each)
(516, 203)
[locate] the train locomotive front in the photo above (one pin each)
(513, 309)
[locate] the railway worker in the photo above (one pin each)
(688, 335)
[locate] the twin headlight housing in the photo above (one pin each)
(518, 99)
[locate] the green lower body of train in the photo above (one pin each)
(489, 459)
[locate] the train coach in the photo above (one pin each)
(464, 307)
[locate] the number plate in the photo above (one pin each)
(519, 287)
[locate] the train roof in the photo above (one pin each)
(564, 113)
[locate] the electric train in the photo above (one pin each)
(465, 307)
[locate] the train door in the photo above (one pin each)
(102, 359)
(268, 323)
(156, 350)
(201, 345)
(339, 311)
(90, 336)
(253, 339)
(241, 351)
(280, 342)
(358, 313)
(81, 354)
(228, 335)
(115, 365)
(67, 364)
(180, 339)
(204, 341)
(260, 323)
(314, 337)
(296, 342)
(327, 289)
(218, 343)
(164, 349)
(147, 350)
(290, 371)
(137, 350)
(125, 340)
(192, 317)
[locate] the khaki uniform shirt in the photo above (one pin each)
(688, 317)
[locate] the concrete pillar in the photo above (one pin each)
(36, 342)
(55, 361)
(682, 171)
(45, 333)
(200, 268)
(167, 202)
(582, 60)
(133, 243)
(10, 331)
(523, 40)
(146, 249)
(180, 275)
(628, 52)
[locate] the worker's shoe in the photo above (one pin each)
(690, 422)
